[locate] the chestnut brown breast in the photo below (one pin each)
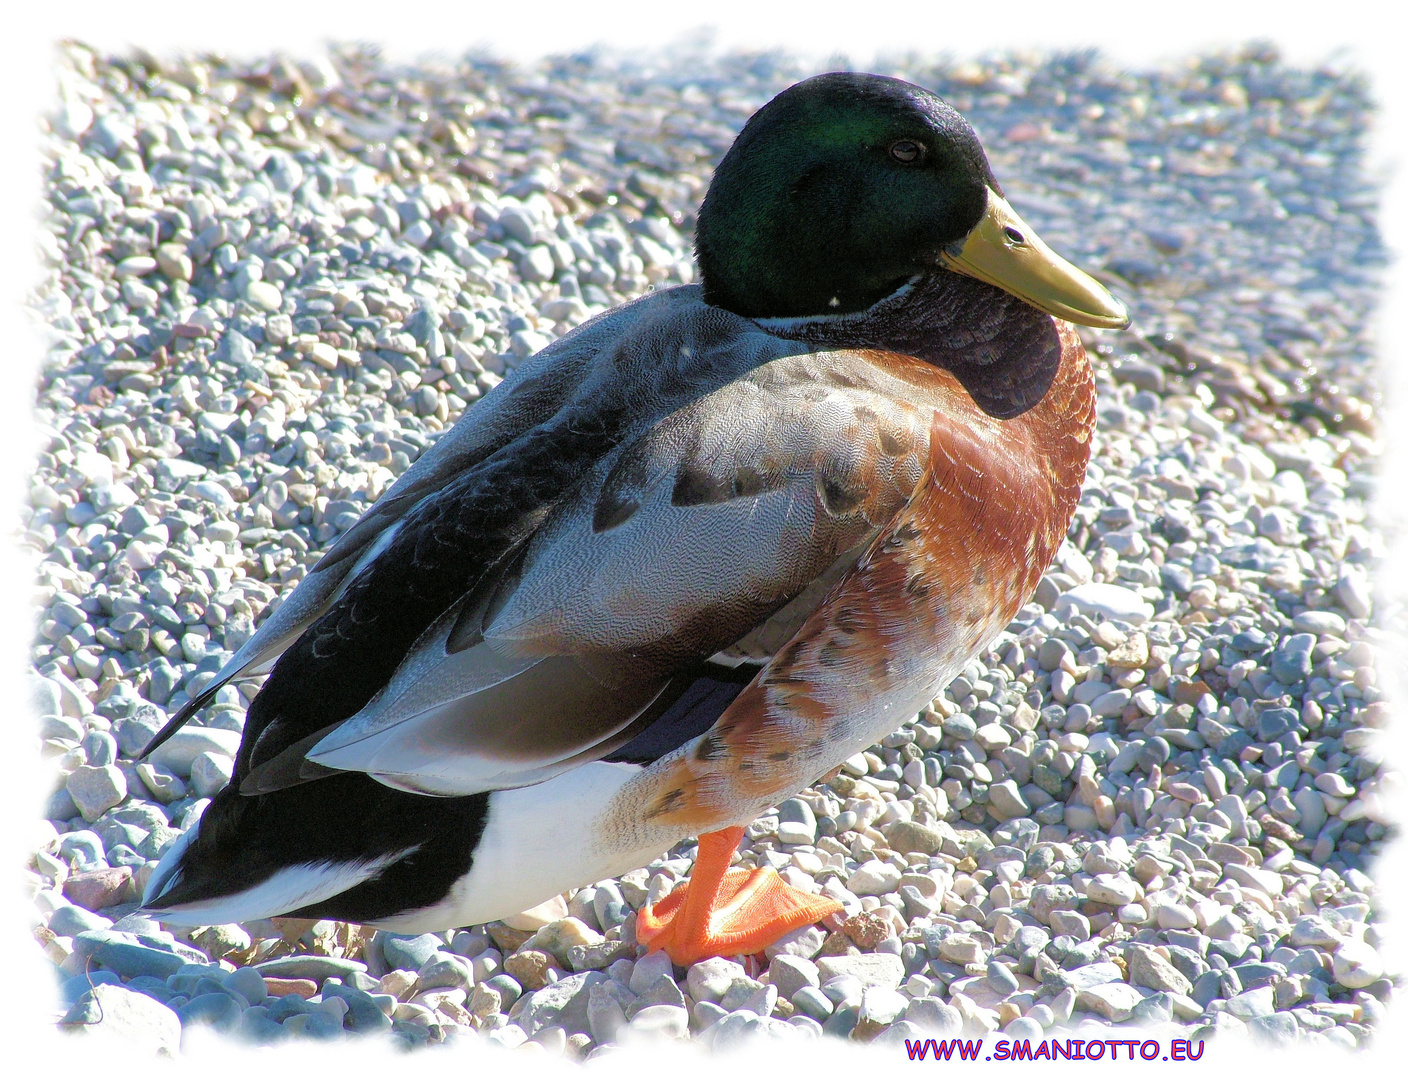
(943, 576)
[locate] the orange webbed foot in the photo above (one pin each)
(726, 912)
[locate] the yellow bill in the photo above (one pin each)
(1003, 251)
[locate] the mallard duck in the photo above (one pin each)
(681, 563)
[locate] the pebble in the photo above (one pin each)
(1114, 1001)
(872, 969)
(125, 1021)
(316, 968)
(98, 889)
(411, 953)
(1108, 601)
(934, 1016)
(1252, 1003)
(660, 1022)
(1147, 968)
(209, 773)
(710, 979)
(791, 973)
(874, 878)
(1357, 964)
(180, 751)
(96, 788)
(1172, 748)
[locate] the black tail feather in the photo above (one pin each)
(182, 717)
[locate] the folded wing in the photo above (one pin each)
(694, 491)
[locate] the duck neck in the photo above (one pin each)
(1007, 354)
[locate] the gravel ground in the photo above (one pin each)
(1156, 799)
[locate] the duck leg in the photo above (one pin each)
(726, 912)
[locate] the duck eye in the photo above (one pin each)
(1015, 236)
(907, 151)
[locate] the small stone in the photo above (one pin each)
(529, 967)
(1275, 1029)
(1048, 898)
(1268, 881)
(248, 984)
(648, 968)
(710, 979)
(665, 991)
(400, 984)
(535, 918)
(561, 936)
(881, 1005)
(806, 943)
(872, 969)
(70, 919)
(1357, 964)
(810, 1001)
(264, 295)
(599, 956)
(1114, 1001)
(209, 773)
(173, 261)
(962, 949)
(1174, 916)
(446, 970)
(751, 995)
(236, 349)
(1312, 930)
(907, 836)
(276, 987)
(1085, 976)
(874, 878)
(487, 1000)
(411, 953)
(1332, 784)
(130, 959)
(604, 1015)
(1107, 601)
(1319, 623)
(934, 1016)
(125, 1021)
(324, 355)
(563, 1003)
(1147, 968)
(992, 737)
(181, 749)
(867, 929)
(790, 973)
(98, 889)
(1006, 802)
(660, 1022)
(317, 968)
(96, 789)
(1113, 889)
(223, 939)
(1252, 1003)
(1355, 594)
(164, 785)
(1000, 979)
(706, 1014)
(1071, 923)
(796, 822)
(1292, 662)
(960, 727)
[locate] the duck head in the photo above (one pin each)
(847, 185)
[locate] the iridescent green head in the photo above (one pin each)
(835, 192)
(846, 185)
